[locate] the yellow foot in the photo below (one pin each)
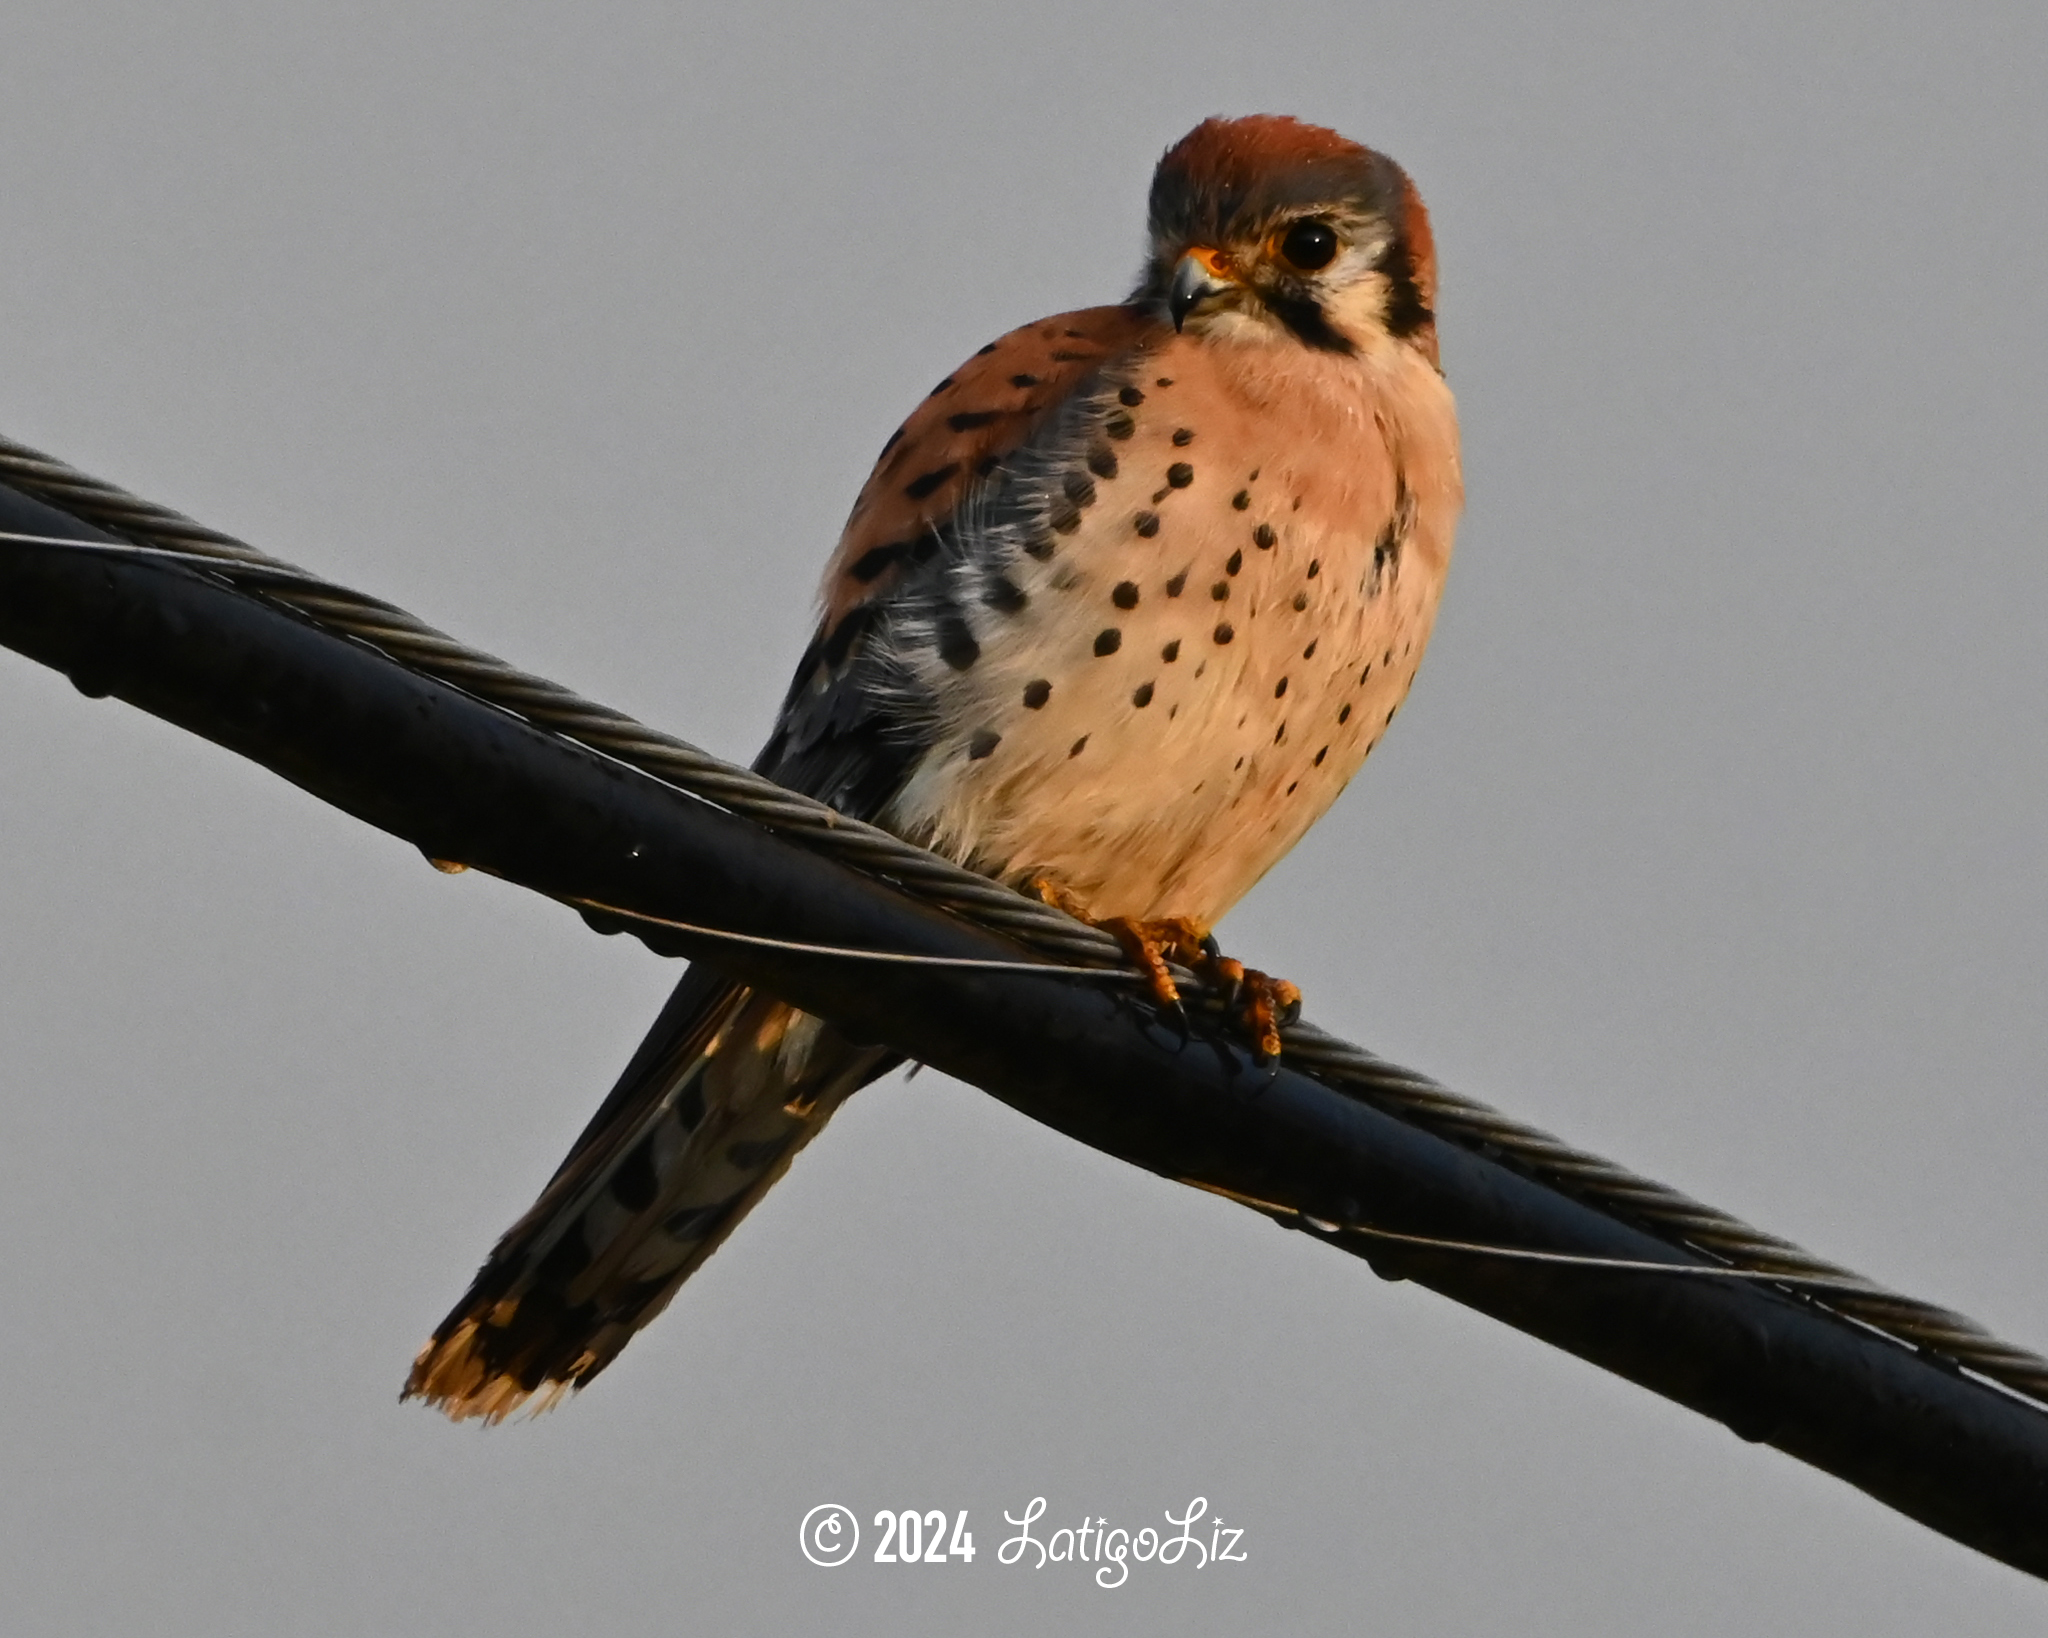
(1260, 1002)
(1254, 1000)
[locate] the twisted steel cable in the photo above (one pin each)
(1663, 1211)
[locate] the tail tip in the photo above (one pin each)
(454, 1376)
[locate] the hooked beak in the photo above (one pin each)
(1201, 274)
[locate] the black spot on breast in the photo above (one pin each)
(1235, 563)
(875, 559)
(1344, 715)
(920, 487)
(968, 420)
(1164, 381)
(1325, 751)
(1041, 547)
(1147, 524)
(957, 646)
(941, 387)
(1220, 591)
(1180, 475)
(1108, 642)
(1280, 690)
(1126, 594)
(1102, 462)
(1183, 436)
(1003, 594)
(1264, 538)
(1159, 495)
(1171, 651)
(1023, 380)
(895, 438)
(1309, 653)
(1036, 693)
(983, 352)
(1224, 632)
(1290, 788)
(1315, 567)
(1176, 584)
(1300, 601)
(1066, 355)
(1064, 518)
(1280, 734)
(1118, 425)
(1390, 716)
(1131, 396)
(983, 744)
(1367, 672)
(1080, 488)
(1141, 696)
(1078, 746)
(1241, 499)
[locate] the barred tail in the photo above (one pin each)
(727, 1087)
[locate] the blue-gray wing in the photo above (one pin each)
(994, 462)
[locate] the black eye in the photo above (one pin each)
(1309, 245)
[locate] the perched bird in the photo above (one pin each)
(1123, 606)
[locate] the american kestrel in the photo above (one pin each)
(1122, 607)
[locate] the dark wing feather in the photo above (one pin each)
(711, 1100)
(847, 734)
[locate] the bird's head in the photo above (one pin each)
(1266, 228)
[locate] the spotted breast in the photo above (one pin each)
(1140, 650)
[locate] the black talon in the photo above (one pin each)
(1184, 1026)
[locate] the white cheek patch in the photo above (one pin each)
(1359, 308)
(1358, 263)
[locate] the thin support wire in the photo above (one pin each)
(156, 531)
(844, 952)
(1293, 1217)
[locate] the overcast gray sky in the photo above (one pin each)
(1711, 838)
